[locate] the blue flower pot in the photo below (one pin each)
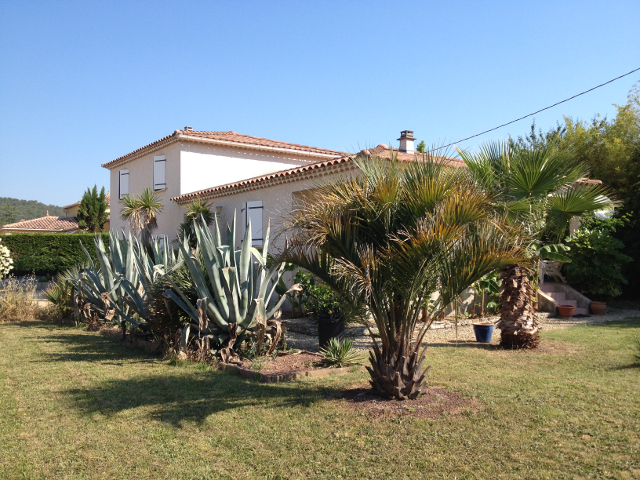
(483, 331)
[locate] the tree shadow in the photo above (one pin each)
(177, 399)
(81, 347)
(464, 344)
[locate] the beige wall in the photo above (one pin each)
(277, 203)
(140, 177)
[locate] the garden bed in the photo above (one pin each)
(286, 367)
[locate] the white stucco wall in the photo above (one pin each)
(205, 166)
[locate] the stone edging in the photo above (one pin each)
(289, 377)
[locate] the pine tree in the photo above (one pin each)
(92, 214)
(8, 214)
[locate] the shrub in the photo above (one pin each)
(60, 294)
(597, 258)
(17, 299)
(48, 253)
(6, 263)
(340, 353)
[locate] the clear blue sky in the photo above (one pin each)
(82, 83)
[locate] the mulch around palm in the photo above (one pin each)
(436, 403)
(284, 363)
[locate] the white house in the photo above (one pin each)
(258, 178)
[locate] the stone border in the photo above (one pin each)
(289, 377)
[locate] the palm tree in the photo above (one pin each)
(392, 237)
(196, 209)
(142, 213)
(541, 188)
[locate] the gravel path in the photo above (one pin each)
(444, 333)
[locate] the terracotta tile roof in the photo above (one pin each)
(53, 224)
(230, 137)
(66, 207)
(304, 172)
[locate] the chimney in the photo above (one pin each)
(406, 141)
(188, 129)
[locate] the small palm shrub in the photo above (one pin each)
(340, 353)
(61, 293)
(17, 299)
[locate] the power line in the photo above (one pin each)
(541, 110)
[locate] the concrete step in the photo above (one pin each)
(558, 297)
(581, 311)
(548, 287)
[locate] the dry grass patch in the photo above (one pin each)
(18, 299)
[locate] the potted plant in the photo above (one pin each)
(566, 311)
(326, 308)
(483, 331)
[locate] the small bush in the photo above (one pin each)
(17, 300)
(60, 294)
(6, 263)
(340, 353)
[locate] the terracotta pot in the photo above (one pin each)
(566, 311)
(598, 308)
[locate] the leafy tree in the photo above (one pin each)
(422, 147)
(29, 209)
(142, 213)
(391, 238)
(597, 258)
(92, 213)
(539, 185)
(8, 213)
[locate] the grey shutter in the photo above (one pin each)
(124, 182)
(159, 172)
(253, 211)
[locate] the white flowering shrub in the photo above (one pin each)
(6, 262)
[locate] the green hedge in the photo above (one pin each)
(48, 253)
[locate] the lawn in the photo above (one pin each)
(74, 404)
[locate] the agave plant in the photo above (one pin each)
(234, 289)
(119, 288)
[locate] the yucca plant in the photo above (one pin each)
(391, 237)
(340, 353)
(234, 289)
(141, 211)
(62, 291)
(540, 188)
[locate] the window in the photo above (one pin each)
(124, 182)
(159, 174)
(252, 211)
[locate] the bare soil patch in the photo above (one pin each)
(436, 403)
(284, 363)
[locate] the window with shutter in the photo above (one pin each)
(253, 211)
(124, 182)
(159, 173)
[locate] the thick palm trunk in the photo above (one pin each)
(400, 377)
(518, 323)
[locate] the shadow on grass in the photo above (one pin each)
(465, 344)
(188, 395)
(630, 322)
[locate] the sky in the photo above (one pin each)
(82, 83)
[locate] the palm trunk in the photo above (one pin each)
(518, 323)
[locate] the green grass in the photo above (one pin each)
(76, 405)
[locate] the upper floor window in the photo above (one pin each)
(159, 172)
(124, 182)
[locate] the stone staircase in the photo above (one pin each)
(552, 294)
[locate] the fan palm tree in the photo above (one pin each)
(392, 237)
(541, 188)
(142, 213)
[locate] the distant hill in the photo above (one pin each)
(27, 209)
